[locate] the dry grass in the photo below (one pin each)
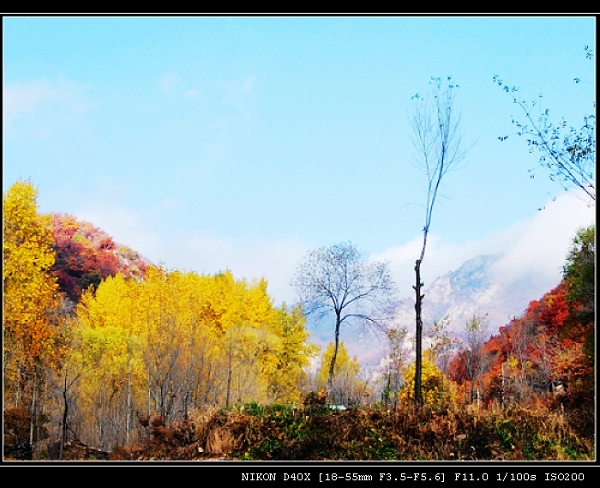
(279, 432)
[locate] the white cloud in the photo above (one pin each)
(534, 248)
(538, 247)
(440, 257)
(192, 94)
(19, 99)
(251, 258)
(45, 104)
(236, 92)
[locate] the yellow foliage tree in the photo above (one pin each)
(432, 383)
(346, 386)
(110, 322)
(30, 293)
(294, 357)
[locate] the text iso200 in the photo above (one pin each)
(564, 476)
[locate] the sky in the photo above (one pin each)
(241, 143)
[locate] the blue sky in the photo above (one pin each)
(242, 143)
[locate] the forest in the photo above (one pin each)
(109, 357)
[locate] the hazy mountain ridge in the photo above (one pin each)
(477, 287)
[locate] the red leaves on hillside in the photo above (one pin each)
(542, 345)
(85, 255)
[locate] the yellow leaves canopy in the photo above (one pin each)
(433, 381)
(30, 292)
(207, 332)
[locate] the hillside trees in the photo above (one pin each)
(439, 149)
(85, 255)
(553, 341)
(579, 274)
(339, 280)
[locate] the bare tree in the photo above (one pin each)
(340, 280)
(439, 149)
(568, 152)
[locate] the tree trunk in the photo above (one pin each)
(229, 374)
(65, 416)
(335, 351)
(33, 414)
(419, 331)
(388, 390)
(128, 407)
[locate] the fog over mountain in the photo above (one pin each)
(475, 288)
(478, 287)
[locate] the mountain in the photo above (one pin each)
(475, 288)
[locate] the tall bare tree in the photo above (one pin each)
(439, 149)
(340, 280)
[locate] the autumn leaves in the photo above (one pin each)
(30, 291)
(177, 341)
(168, 344)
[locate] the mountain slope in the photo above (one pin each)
(477, 287)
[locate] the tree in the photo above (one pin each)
(579, 274)
(433, 380)
(568, 152)
(395, 362)
(346, 383)
(30, 296)
(475, 355)
(75, 362)
(340, 280)
(439, 149)
(295, 355)
(443, 346)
